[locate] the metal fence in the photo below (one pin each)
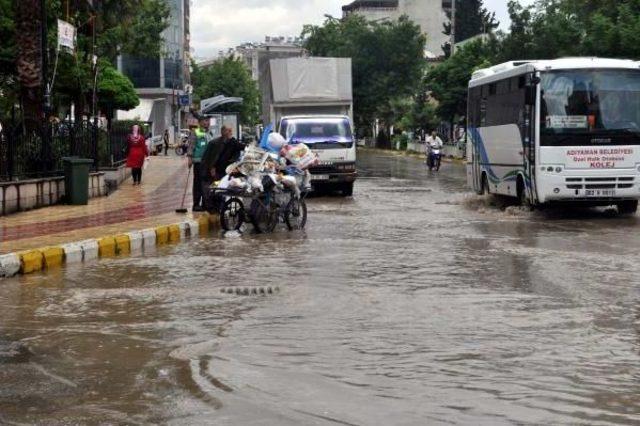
(35, 150)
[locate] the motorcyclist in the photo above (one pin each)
(434, 141)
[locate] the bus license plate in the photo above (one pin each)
(319, 177)
(600, 192)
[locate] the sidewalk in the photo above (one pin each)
(130, 208)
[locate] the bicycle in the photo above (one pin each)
(265, 212)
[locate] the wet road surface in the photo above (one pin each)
(413, 303)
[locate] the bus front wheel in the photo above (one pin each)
(628, 207)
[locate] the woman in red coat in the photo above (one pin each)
(137, 152)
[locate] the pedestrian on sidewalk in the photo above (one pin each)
(165, 138)
(137, 152)
(198, 140)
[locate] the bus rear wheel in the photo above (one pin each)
(628, 207)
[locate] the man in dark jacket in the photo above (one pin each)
(220, 153)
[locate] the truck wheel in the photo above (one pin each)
(628, 207)
(347, 189)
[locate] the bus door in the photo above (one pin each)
(529, 131)
(477, 145)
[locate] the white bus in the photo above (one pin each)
(565, 130)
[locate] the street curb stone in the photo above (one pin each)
(134, 242)
(72, 253)
(9, 265)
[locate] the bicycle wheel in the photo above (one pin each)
(264, 217)
(179, 151)
(232, 215)
(295, 216)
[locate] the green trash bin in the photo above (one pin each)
(76, 180)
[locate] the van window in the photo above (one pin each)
(310, 130)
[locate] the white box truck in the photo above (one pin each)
(312, 103)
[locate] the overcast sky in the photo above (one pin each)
(220, 24)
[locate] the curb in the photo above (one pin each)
(110, 246)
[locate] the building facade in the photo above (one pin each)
(431, 15)
(160, 81)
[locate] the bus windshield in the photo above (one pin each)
(333, 132)
(587, 107)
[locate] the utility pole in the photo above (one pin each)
(453, 27)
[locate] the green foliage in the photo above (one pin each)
(115, 91)
(121, 26)
(7, 30)
(229, 77)
(549, 29)
(448, 81)
(133, 26)
(388, 61)
(557, 28)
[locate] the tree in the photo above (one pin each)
(132, 27)
(472, 19)
(121, 26)
(448, 82)
(29, 55)
(230, 77)
(388, 60)
(115, 91)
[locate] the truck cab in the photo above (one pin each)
(331, 138)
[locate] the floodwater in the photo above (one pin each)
(414, 303)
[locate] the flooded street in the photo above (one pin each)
(413, 303)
